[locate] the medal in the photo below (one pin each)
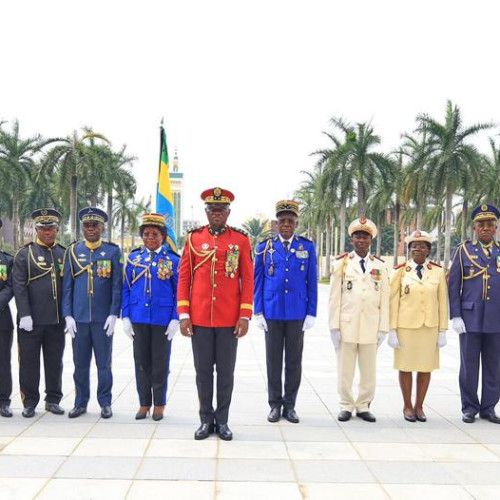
(349, 285)
(204, 246)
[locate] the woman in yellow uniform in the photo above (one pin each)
(419, 320)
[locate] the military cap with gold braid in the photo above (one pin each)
(217, 195)
(44, 217)
(362, 224)
(485, 212)
(287, 206)
(419, 236)
(92, 214)
(151, 219)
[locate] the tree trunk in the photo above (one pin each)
(110, 215)
(73, 206)
(122, 235)
(447, 229)
(465, 217)
(318, 243)
(439, 237)
(419, 214)
(361, 199)
(326, 267)
(396, 232)
(343, 208)
(379, 236)
(15, 220)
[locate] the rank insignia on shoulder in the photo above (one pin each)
(399, 266)
(432, 263)
(378, 258)
(237, 229)
(341, 256)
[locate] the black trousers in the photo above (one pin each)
(285, 336)
(214, 346)
(5, 366)
(152, 360)
(49, 339)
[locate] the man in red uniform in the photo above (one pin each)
(214, 302)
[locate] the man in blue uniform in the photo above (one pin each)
(474, 290)
(6, 332)
(92, 288)
(285, 301)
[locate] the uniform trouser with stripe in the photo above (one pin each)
(152, 359)
(366, 356)
(92, 337)
(475, 349)
(214, 346)
(50, 340)
(286, 336)
(5, 366)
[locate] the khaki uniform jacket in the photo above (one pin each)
(419, 302)
(359, 302)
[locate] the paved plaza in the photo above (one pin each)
(51, 457)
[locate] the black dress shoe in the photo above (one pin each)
(28, 412)
(274, 414)
(421, 417)
(5, 411)
(291, 415)
(77, 411)
(409, 417)
(203, 431)
(54, 408)
(468, 418)
(142, 413)
(344, 416)
(224, 432)
(106, 412)
(366, 416)
(493, 418)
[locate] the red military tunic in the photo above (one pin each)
(216, 277)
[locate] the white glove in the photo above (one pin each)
(173, 328)
(260, 322)
(393, 340)
(380, 338)
(442, 339)
(70, 326)
(109, 326)
(458, 324)
(335, 335)
(128, 329)
(26, 323)
(309, 322)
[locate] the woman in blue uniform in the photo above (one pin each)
(149, 312)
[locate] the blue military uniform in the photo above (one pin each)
(92, 289)
(474, 292)
(285, 292)
(150, 301)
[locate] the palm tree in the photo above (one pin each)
(18, 157)
(257, 229)
(72, 159)
(126, 214)
(451, 158)
(361, 162)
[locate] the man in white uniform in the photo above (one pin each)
(358, 318)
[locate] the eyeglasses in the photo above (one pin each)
(214, 208)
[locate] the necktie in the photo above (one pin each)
(362, 264)
(152, 256)
(419, 270)
(286, 244)
(487, 251)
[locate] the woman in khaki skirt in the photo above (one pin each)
(419, 319)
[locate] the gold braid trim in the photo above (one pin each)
(88, 269)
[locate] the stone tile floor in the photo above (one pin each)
(51, 457)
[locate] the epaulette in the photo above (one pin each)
(399, 266)
(7, 253)
(342, 255)
(238, 230)
(303, 238)
(435, 264)
(195, 229)
(61, 246)
(111, 243)
(379, 258)
(136, 249)
(265, 240)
